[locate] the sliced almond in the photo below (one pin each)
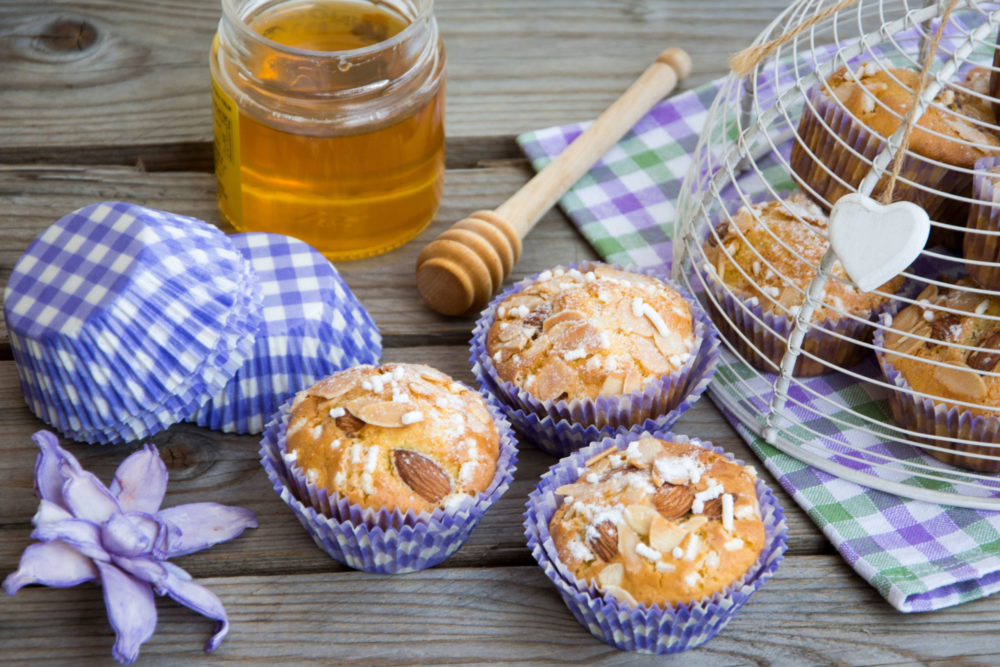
(572, 489)
(694, 523)
(664, 535)
(612, 385)
(554, 379)
(628, 539)
(650, 356)
(713, 508)
(605, 545)
(632, 381)
(962, 381)
(621, 595)
(388, 414)
(673, 501)
(421, 474)
(563, 316)
(638, 518)
(611, 575)
(597, 457)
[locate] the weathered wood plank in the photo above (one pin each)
(138, 76)
(812, 612)
(210, 466)
(32, 197)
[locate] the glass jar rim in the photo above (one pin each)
(230, 13)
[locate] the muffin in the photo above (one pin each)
(654, 540)
(592, 349)
(389, 468)
(981, 243)
(759, 265)
(399, 436)
(660, 523)
(942, 354)
(845, 122)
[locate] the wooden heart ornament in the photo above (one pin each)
(874, 242)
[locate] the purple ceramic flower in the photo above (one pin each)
(121, 537)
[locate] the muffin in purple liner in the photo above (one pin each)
(592, 345)
(124, 319)
(759, 265)
(601, 605)
(378, 494)
(313, 327)
(861, 105)
(943, 353)
(982, 240)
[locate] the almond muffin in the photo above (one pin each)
(946, 347)
(845, 123)
(402, 437)
(659, 523)
(761, 263)
(573, 334)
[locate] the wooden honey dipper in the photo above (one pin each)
(460, 270)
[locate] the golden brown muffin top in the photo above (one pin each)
(962, 378)
(778, 244)
(880, 98)
(399, 436)
(660, 522)
(583, 334)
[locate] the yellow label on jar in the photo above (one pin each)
(226, 122)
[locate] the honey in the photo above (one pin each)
(329, 121)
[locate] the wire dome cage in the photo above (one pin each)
(896, 387)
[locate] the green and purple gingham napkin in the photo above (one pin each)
(918, 555)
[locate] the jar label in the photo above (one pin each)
(226, 122)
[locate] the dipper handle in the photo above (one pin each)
(460, 270)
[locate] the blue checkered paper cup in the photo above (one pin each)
(559, 427)
(642, 628)
(375, 539)
(124, 319)
(313, 327)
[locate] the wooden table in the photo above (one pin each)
(110, 100)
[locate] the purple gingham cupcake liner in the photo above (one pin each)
(823, 119)
(646, 629)
(561, 426)
(124, 319)
(313, 327)
(377, 540)
(984, 215)
(122, 416)
(916, 412)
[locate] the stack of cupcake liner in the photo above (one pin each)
(379, 540)
(647, 629)
(560, 427)
(982, 243)
(123, 320)
(313, 327)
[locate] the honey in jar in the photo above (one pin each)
(329, 120)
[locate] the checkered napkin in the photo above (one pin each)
(918, 555)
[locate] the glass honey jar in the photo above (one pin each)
(329, 120)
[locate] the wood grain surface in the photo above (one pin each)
(103, 100)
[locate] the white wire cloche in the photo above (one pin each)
(804, 369)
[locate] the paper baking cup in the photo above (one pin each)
(833, 163)
(655, 628)
(123, 320)
(562, 426)
(375, 539)
(767, 333)
(313, 327)
(919, 413)
(984, 215)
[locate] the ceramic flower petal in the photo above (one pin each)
(140, 481)
(85, 496)
(49, 479)
(182, 589)
(131, 611)
(50, 564)
(143, 568)
(49, 512)
(196, 526)
(82, 535)
(120, 535)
